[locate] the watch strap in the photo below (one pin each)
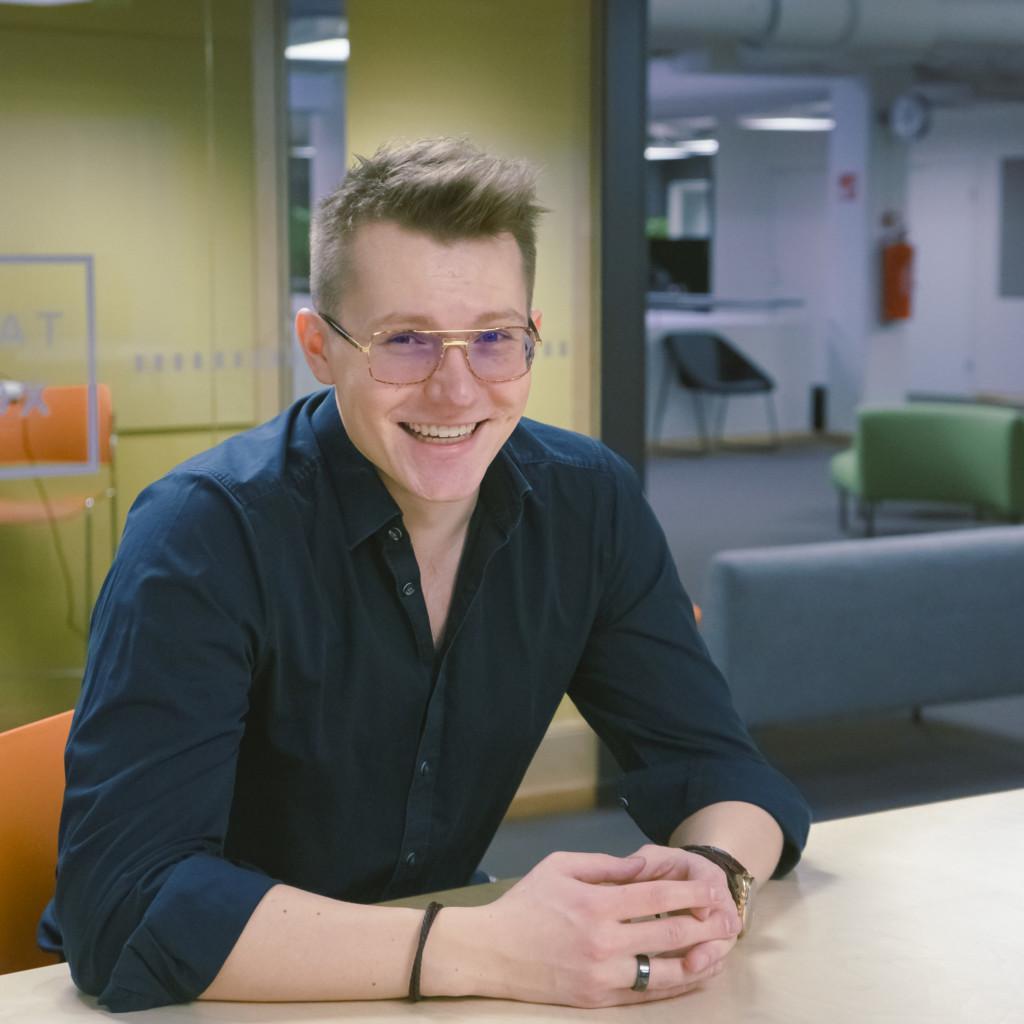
(738, 878)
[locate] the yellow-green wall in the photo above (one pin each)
(517, 78)
(128, 135)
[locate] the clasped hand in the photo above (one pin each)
(570, 931)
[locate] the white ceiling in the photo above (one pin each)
(701, 65)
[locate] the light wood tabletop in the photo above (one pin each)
(913, 915)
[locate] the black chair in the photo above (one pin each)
(706, 362)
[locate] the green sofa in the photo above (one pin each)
(934, 451)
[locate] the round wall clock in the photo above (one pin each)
(909, 117)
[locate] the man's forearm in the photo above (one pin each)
(299, 946)
(567, 933)
(745, 830)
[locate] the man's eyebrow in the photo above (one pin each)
(400, 320)
(501, 318)
(492, 318)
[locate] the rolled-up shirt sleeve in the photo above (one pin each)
(648, 687)
(146, 904)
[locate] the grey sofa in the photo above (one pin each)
(819, 630)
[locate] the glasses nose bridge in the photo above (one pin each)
(447, 342)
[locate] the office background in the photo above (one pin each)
(178, 148)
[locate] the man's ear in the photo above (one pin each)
(535, 316)
(311, 332)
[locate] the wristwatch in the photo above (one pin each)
(739, 879)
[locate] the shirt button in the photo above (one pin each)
(409, 589)
(395, 533)
(410, 858)
(424, 767)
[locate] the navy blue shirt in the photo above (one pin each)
(263, 700)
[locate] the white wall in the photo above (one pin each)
(963, 338)
(845, 252)
(769, 212)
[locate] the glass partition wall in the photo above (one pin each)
(317, 54)
(142, 271)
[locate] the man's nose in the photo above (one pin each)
(453, 380)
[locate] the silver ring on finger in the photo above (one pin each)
(643, 972)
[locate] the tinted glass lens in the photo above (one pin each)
(501, 354)
(405, 357)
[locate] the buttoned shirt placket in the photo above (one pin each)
(484, 540)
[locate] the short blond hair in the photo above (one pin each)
(447, 188)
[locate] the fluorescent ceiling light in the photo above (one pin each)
(334, 51)
(788, 124)
(682, 150)
(701, 147)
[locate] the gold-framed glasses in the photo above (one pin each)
(493, 354)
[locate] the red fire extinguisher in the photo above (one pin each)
(897, 272)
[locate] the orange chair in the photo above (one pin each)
(60, 435)
(32, 769)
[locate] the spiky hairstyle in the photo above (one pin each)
(444, 187)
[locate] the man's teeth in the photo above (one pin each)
(434, 430)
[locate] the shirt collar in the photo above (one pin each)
(503, 490)
(364, 502)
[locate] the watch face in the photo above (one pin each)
(745, 904)
(737, 877)
(908, 116)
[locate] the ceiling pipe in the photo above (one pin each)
(982, 24)
(731, 19)
(855, 24)
(798, 23)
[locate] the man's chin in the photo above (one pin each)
(448, 494)
(442, 488)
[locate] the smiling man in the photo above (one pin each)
(430, 407)
(329, 647)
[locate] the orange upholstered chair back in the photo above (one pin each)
(32, 770)
(61, 433)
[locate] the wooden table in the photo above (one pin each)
(907, 916)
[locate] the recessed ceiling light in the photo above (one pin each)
(788, 124)
(682, 150)
(334, 51)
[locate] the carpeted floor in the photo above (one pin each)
(736, 499)
(745, 499)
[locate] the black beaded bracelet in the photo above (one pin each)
(417, 964)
